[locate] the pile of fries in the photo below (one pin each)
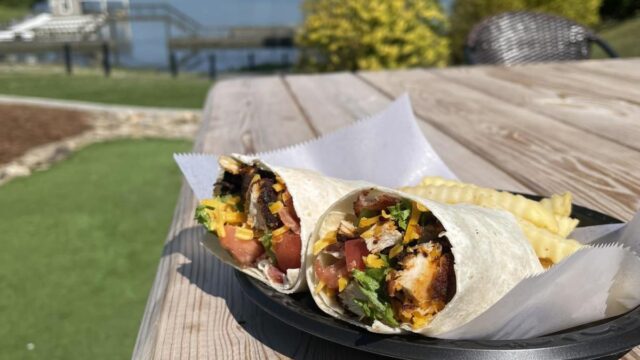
(546, 223)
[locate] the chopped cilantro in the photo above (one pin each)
(373, 306)
(400, 212)
(202, 217)
(266, 242)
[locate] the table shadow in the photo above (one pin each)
(217, 279)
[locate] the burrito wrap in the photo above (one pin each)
(311, 193)
(491, 255)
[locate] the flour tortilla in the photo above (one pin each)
(312, 193)
(491, 255)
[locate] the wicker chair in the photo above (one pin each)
(525, 37)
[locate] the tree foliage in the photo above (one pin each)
(373, 34)
(619, 9)
(467, 13)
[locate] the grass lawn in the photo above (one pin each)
(624, 37)
(8, 13)
(81, 243)
(144, 88)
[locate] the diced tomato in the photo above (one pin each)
(354, 250)
(244, 251)
(287, 249)
(275, 275)
(331, 273)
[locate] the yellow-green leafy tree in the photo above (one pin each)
(373, 34)
(467, 13)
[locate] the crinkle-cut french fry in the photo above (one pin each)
(521, 207)
(440, 181)
(559, 204)
(566, 225)
(548, 245)
(516, 204)
(446, 194)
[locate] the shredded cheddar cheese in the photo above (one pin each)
(244, 234)
(373, 261)
(233, 217)
(412, 228)
(211, 203)
(319, 286)
(278, 187)
(279, 231)
(329, 239)
(397, 249)
(385, 214)
(275, 207)
(418, 320)
(421, 207)
(366, 222)
(219, 222)
(342, 283)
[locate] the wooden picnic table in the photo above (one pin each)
(537, 129)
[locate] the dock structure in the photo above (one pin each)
(187, 38)
(97, 26)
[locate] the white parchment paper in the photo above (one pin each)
(388, 149)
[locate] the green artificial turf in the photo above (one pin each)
(624, 37)
(143, 88)
(80, 247)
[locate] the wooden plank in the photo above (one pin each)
(245, 114)
(571, 77)
(195, 309)
(625, 69)
(331, 101)
(542, 153)
(612, 118)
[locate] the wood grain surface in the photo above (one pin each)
(334, 100)
(540, 128)
(542, 153)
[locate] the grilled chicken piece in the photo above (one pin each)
(346, 231)
(267, 196)
(427, 277)
(381, 236)
(375, 203)
(261, 194)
